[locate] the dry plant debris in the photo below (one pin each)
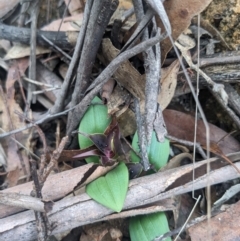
(56, 56)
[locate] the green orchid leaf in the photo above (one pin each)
(95, 120)
(147, 227)
(110, 190)
(158, 152)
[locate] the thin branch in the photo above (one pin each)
(141, 136)
(42, 222)
(233, 116)
(142, 24)
(101, 13)
(218, 88)
(46, 117)
(33, 44)
(55, 156)
(59, 103)
(152, 70)
(158, 7)
(234, 98)
(40, 83)
(56, 47)
(23, 201)
(65, 40)
(22, 146)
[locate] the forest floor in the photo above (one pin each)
(180, 94)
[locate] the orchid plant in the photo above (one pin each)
(99, 138)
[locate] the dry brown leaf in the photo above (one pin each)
(126, 4)
(181, 125)
(67, 24)
(95, 232)
(222, 227)
(5, 44)
(74, 6)
(115, 233)
(63, 70)
(3, 158)
(14, 73)
(176, 161)
(101, 232)
(134, 82)
(12, 120)
(12, 177)
(13, 159)
(46, 76)
(118, 14)
(6, 6)
(126, 74)
(3, 64)
(127, 123)
(118, 104)
(184, 206)
(168, 84)
(20, 51)
(119, 97)
(180, 14)
(107, 89)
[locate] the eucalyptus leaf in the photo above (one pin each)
(110, 190)
(158, 152)
(95, 120)
(147, 227)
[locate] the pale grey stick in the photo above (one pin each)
(22, 201)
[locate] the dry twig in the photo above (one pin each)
(218, 88)
(59, 104)
(141, 136)
(33, 44)
(100, 15)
